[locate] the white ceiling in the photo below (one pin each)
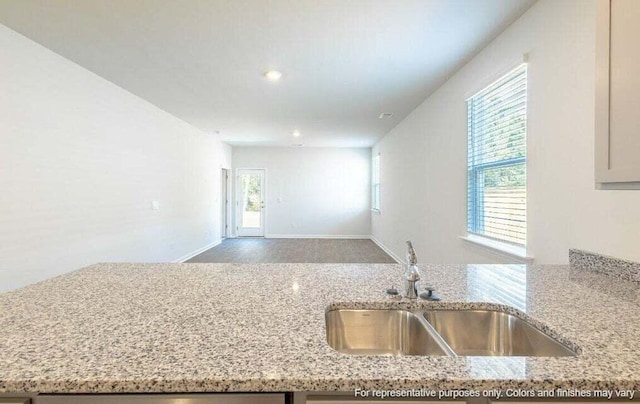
(343, 61)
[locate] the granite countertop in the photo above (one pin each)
(260, 327)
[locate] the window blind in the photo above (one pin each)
(497, 150)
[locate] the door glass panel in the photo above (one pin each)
(251, 203)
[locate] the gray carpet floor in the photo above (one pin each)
(253, 250)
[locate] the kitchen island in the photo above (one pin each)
(177, 328)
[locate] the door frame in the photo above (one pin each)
(238, 191)
(225, 202)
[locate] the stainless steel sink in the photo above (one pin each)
(438, 333)
(492, 333)
(380, 332)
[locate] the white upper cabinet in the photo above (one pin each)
(617, 114)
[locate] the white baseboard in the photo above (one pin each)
(351, 237)
(196, 252)
(387, 250)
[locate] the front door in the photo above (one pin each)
(250, 202)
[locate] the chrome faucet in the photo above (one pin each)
(411, 274)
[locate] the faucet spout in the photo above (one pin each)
(412, 259)
(411, 274)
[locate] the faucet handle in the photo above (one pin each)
(430, 294)
(393, 294)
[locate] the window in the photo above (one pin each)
(497, 179)
(375, 183)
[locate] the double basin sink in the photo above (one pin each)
(438, 332)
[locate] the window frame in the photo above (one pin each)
(375, 183)
(475, 209)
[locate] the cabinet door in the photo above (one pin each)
(550, 402)
(617, 123)
(352, 400)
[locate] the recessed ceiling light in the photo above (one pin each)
(385, 115)
(296, 133)
(273, 75)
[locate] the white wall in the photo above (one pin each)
(313, 191)
(423, 159)
(80, 162)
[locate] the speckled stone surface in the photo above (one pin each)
(231, 327)
(588, 261)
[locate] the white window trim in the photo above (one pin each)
(497, 74)
(511, 250)
(373, 184)
(495, 246)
